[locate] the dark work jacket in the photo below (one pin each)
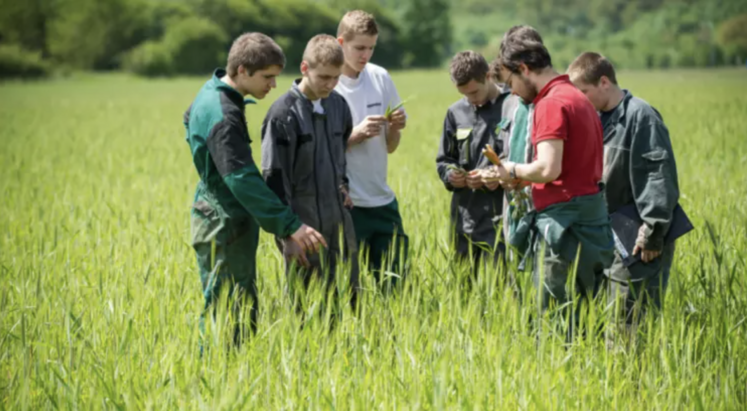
(466, 131)
(231, 195)
(639, 166)
(303, 161)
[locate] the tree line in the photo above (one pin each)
(184, 37)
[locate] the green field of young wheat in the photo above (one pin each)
(100, 295)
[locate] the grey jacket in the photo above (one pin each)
(639, 166)
(466, 131)
(303, 161)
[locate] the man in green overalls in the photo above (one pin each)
(232, 201)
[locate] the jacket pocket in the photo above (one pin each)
(655, 161)
(463, 143)
(206, 223)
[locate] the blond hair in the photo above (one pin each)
(357, 22)
(324, 50)
(254, 51)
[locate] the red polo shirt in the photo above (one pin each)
(562, 112)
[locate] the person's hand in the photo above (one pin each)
(503, 173)
(646, 255)
(369, 127)
(495, 173)
(457, 178)
(508, 185)
(397, 120)
(347, 202)
(294, 252)
(492, 185)
(474, 179)
(308, 239)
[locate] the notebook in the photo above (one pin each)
(625, 225)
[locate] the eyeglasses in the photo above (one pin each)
(508, 80)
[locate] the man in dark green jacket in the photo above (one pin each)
(232, 201)
(639, 170)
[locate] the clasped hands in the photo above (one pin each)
(490, 177)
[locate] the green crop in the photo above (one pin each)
(100, 295)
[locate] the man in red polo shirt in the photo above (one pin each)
(570, 210)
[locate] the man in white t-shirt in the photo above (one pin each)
(369, 91)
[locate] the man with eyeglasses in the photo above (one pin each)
(570, 222)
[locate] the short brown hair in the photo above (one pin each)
(325, 50)
(523, 45)
(254, 51)
(467, 66)
(495, 70)
(590, 67)
(357, 22)
(523, 31)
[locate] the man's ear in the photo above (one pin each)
(524, 70)
(604, 82)
(304, 67)
(340, 40)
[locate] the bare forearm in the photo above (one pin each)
(356, 137)
(548, 165)
(535, 172)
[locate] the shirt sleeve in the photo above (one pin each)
(448, 150)
(229, 148)
(550, 121)
(653, 176)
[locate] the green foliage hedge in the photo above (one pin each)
(17, 62)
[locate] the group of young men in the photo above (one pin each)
(322, 189)
(576, 149)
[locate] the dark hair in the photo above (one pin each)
(254, 51)
(467, 66)
(523, 31)
(590, 67)
(523, 44)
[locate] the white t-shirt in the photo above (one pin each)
(318, 106)
(369, 95)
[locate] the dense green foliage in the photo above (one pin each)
(145, 36)
(17, 62)
(175, 52)
(139, 35)
(633, 33)
(100, 294)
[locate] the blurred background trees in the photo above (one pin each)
(191, 37)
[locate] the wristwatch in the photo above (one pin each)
(512, 172)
